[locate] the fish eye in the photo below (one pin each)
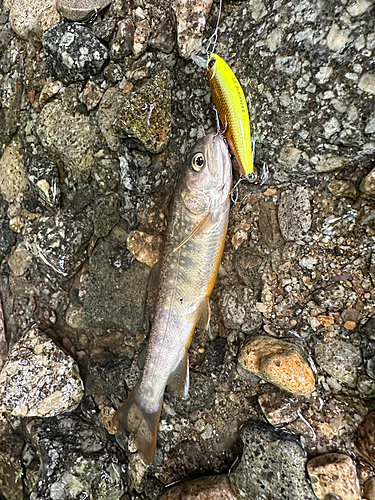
(211, 63)
(197, 162)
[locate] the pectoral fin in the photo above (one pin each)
(179, 379)
(195, 230)
(204, 314)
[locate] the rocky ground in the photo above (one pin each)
(100, 104)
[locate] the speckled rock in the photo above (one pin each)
(44, 176)
(91, 95)
(11, 471)
(163, 36)
(204, 488)
(294, 213)
(366, 438)
(278, 408)
(334, 474)
(191, 20)
(77, 459)
(145, 247)
(122, 44)
(146, 114)
(13, 180)
(141, 35)
(39, 379)
(106, 213)
(7, 238)
(272, 466)
(369, 489)
(278, 362)
(31, 19)
(339, 359)
(343, 188)
(238, 310)
(60, 242)
(80, 10)
(73, 53)
(368, 184)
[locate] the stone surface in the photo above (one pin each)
(208, 488)
(11, 471)
(368, 184)
(294, 213)
(366, 438)
(141, 35)
(278, 407)
(31, 19)
(7, 238)
(334, 474)
(19, 261)
(106, 213)
(145, 114)
(44, 176)
(272, 466)
(369, 328)
(80, 10)
(145, 247)
(278, 362)
(339, 359)
(343, 188)
(91, 95)
(123, 40)
(13, 180)
(39, 379)
(191, 20)
(369, 489)
(73, 53)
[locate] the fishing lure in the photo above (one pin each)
(232, 109)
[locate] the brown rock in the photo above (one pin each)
(92, 95)
(366, 438)
(334, 474)
(369, 489)
(343, 188)
(278, 362)
(325, 320)
(278, 407)
(204, 488)
(145, 247)
(368, 184)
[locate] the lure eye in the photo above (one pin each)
(197, 162)
(211, 63)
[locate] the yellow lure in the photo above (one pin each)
(232, 110)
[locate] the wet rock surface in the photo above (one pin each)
(96, 120)
(210, 487)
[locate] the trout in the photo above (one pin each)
(194, 246)
(232, 109)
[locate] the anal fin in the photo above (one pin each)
(179, 379)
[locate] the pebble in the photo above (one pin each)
(343, 188)
(204, 488)
(44, 176)
(92, 95)
(20, 260)
(39, 379)
(369, 489)
(31, 18)
(278, 407)
(80, 10)
(123, 40)
(278, 362)
(367, 83)
(334, 474)
(366, 438)
(13, 179)
(7, 238)
(145, 247)
(330, 163)
(141, 35)
(339, 359)
(368, 184)
(294, 213)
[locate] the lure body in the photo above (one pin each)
(232, 110)
(196, 235)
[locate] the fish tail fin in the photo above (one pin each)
(133, 419)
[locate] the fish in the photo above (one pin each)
(232, 110)
(188, 269)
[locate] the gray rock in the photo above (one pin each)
(268, 225)
(30, 19)
(272, 466)
(106, 214)
(7, 238)
(141, 35)
(294, 213)
(73, 53)
(11, 471)
(60, 242)
(163, 36)
(77, 460)
(39, 379)
(238, 310)
(339, 359)
(44, 176)
(80, 10)
(106, 376)
(122, 44)
(20, 260)
(116, 289)
(104, 28)
(105, 175)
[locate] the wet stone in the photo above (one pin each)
(294, 213)
(366, 438)
(146, 114)
(73, 53)
(80, 10)
(106, 213)
(122, 44)
(278, 362)
(272, 466)
(13, 180)
(278, 408)
(209, 488)
(339, 359)
(39, 379)
(44, 176)
(60, 242)
(334, 474)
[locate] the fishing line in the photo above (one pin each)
(213, 38)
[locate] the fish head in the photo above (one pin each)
(208, 178)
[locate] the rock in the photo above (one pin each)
(39, 379)
(278, 362)
(248, 262)
(208, 487)
(369, 489)
(370, 125)
(334, 474)
(367, 83)
(145, 247)
(7, 238)
(104, 28)
(106, 213)
(50, 89)
(294, 213)
(11, 470)
(365, 442)
(73, 53)
(20, 260)
(141, 36)
(163, 36)
(44, 176)
(272, 466)
(278, 407)
(366, 386)
(339, 359)
(109, 106)
(191, 20)
(343, 188)
(268, 225)
(145, 114)
(106, 376)
(123, 40)
(77, 460)
(238, 310)
(92, 95)
(116, 289)
(13, 180)
(368, 184)
(60, 242)
(80, 10)
(31, 19)
(105, 175)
